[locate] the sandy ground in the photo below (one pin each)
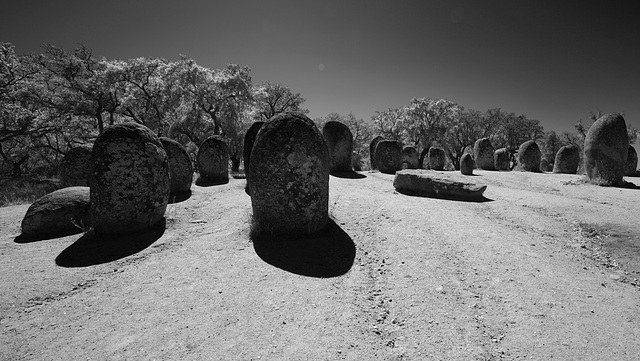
(547, 267)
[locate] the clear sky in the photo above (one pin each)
(554, 61)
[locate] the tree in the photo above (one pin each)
(389, 123)
(273, 98)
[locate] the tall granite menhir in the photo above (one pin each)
(289, 177)
(180, 166)
(388, 156)
(340, 144)
(567, 159)
(372, 151)
(606, 148)
(130, 183)
(213, 161)
(483, 154)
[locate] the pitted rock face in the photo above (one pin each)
(340, 144)
(606, 149)
(130, 183)
(61, 211)
(410, 158)
(567, 160)
(632, 161)
(466, 164)
(388, 156)
(213, 159)
(436, 158)
(289, 177)
(529, 157)
(180, 166)
(501, 159)
(76, 167)
(372, 151)
(483, 154)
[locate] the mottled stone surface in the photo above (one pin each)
(466, 164)
(632, 161)
(213, 160)
(249, 139)
(567, 160)
(63, 211)
(339, 141)
(76, 166)
(410, 158)
(372, 151)
(388, 156)
(180, 166)
(501, 159)
(606, 148)
(436, 158)
(483, 154)
(529, 157)
(130, 183)
(289, 177)
(436, 184)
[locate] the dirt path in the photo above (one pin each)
(544, 270)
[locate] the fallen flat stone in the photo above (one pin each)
(437, 184)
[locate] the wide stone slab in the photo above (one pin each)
(437, 184)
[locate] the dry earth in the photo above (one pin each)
(545, 268)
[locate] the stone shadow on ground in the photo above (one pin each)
(348, 175)
(204, 182)
(90, 249)
(473, 199)
(328, 253)
(179, 197)
(28, 238)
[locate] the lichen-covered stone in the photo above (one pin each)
(436, 158)
(388, 156)
(339, 141)
(289, 177)
(372, 150)
(130, 183)
(63, 211)
(606, 148)
(410, 158)
(180, 166)
(567, 160)
(466, 164)
(501, 159)
(632, 161)
(213, 160)
(436, 184)
(76, 166)
(483, 154)
(529, 157)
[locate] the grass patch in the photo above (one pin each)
(15, 191)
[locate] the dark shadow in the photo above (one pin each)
(348, 175)
(92, 249)
(474, 199)
(28, 238)
(628, 185)
(178, 197)
(205, 182)
(328, 253)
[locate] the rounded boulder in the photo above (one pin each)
(180, 166)
(529, 157)
(436, 158)
(388, 156)
(339, 141)
(483, 154)
(213, 160)
(63, 211)
(410, 158)
(466, 164)
(567, 160)
(372, 150)
(632, 161)
(501, 159)
(606, 148)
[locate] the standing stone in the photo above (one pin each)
(180, 166)
(501, 159)
(410, 158)
(339, 141)
(529, 157)
(424, 158)
(372, 151)
(388, 156)
(130, 183)
(483, 154)
(249, 139)
(567, 160)
(63, 211)
(436, 158)
(632, 161)
(606, 148)
(289, 177)
(76, 167)
(466, 164)
(213, 160)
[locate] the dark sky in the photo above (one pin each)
(554, 61)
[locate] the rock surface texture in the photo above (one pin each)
(180, 166)
(501, 159)
(130, 183)
(372, 150)
(289, 177)
(529, 157)
(567, 160)
(213, 160)
(483, 154)
(436, 158)
(466, 164)
(436, 184)
(339, 141)
(76, 167)
(632, 161)
(410, 158)
(606, 148)
(63, 211)
(388, 156)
